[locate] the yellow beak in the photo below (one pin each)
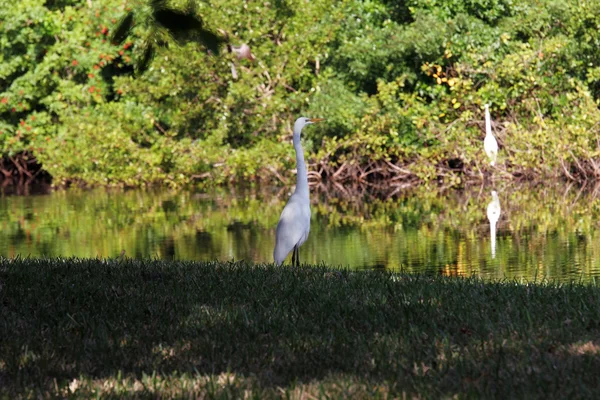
(315, 120)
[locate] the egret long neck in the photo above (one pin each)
(301, 175)
(488, 122)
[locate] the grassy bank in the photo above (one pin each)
(156, 328)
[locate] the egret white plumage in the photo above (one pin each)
(490, 145)
(294, 223)
(493, 214)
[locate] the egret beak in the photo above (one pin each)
(315, 120)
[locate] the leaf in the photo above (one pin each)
(158, 5)
(123, 29)
(191, 7)
(185, 26)
(147, 56)
(210, 40)
(177, 22)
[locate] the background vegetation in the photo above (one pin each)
(402, 85)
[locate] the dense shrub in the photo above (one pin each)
(402, 87)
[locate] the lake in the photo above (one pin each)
(530, 232)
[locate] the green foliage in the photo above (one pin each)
(53, 66)
(160, 22)
(400, 83)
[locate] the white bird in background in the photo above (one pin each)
(490, 145)
(241, 52)
(493, 214)
(294, 223)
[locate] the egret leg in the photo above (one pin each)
(297, 256)
(294, 257)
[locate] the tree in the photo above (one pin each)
(163, 23)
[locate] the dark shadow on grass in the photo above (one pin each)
(417, 334)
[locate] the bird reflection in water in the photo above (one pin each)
(493, 214)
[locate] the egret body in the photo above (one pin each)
(294, 223)
(490, 145)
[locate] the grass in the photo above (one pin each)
(126, 328)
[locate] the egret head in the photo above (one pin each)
(302, 121)
(486, 106)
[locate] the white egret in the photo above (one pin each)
(493, 214)
(294, 223)
(490, 145)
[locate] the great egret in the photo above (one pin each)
(294, 223)
(493, 214)
(490, 145)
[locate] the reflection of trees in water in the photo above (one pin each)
(245, 236)
(204, 243)
(167, 247)
(541, 231)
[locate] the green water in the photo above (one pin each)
(542, 232)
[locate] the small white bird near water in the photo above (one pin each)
(294, 223)
(490, 145)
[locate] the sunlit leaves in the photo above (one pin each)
(405, 83)
(161, 20)
(123, 28)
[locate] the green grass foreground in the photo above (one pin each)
(119, 328)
